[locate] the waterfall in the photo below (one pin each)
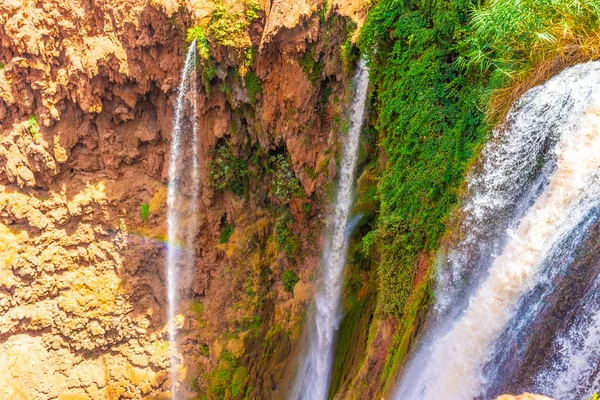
(532, 200)
(315, 369)
(180, 248)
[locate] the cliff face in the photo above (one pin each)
(86, 101)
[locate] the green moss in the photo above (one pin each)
(197, 307)
(351, 342)
(313, 69)
(2, 65)
(252, 9)
(429, 127)
(289, 279)
(284, 236)
(219, 381)
(145, 212)
(226, 233)
(202, 45)
(253, 85)
(227, 26)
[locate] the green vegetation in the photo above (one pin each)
(253, 85)
(289, 279)
(252, 9)
(33, 127)
(511, 38)
(226, 233)
(202, 45)
(228, 27)
(145, 212)
(313, 69)
(284, 182)
(595, 396)
(228, 172)
(229, 378)
(2, 65)
(523, 43)
(429, 127)
(283, 231)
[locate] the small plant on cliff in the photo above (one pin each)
(2, 65)
(313, 69)
(202, 45)
(284, 181)
(228, 172)
(253, 85)
(33, 127)
(284, 236)
(252, 9)
(228, 26)
(226, 234)
(289, 279)
(145, 211)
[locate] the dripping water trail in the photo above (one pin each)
(315, 369)
(177, 243)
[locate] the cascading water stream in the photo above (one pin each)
(178, 242)
(315, 369)
(532, 200)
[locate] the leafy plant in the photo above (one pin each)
(283, 231)
(33, 127)
(284, 182)
(289, 279)
(145, 211)
(252, 9)
(226, 234)
(228, 172)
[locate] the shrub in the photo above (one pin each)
(228, 172)
(226, 234)
(289, 279)
(145, 211)
(284, 182)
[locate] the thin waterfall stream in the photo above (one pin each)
(315, 369)
(180, 249)
(532, 201)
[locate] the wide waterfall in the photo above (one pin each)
(315, 369)
(180, 249)
(532, 202)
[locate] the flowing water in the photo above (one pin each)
(532, 202)
(315, 368)
(178, 241)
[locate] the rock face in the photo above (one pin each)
(86, 102)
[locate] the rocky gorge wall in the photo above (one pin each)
(87, 93)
